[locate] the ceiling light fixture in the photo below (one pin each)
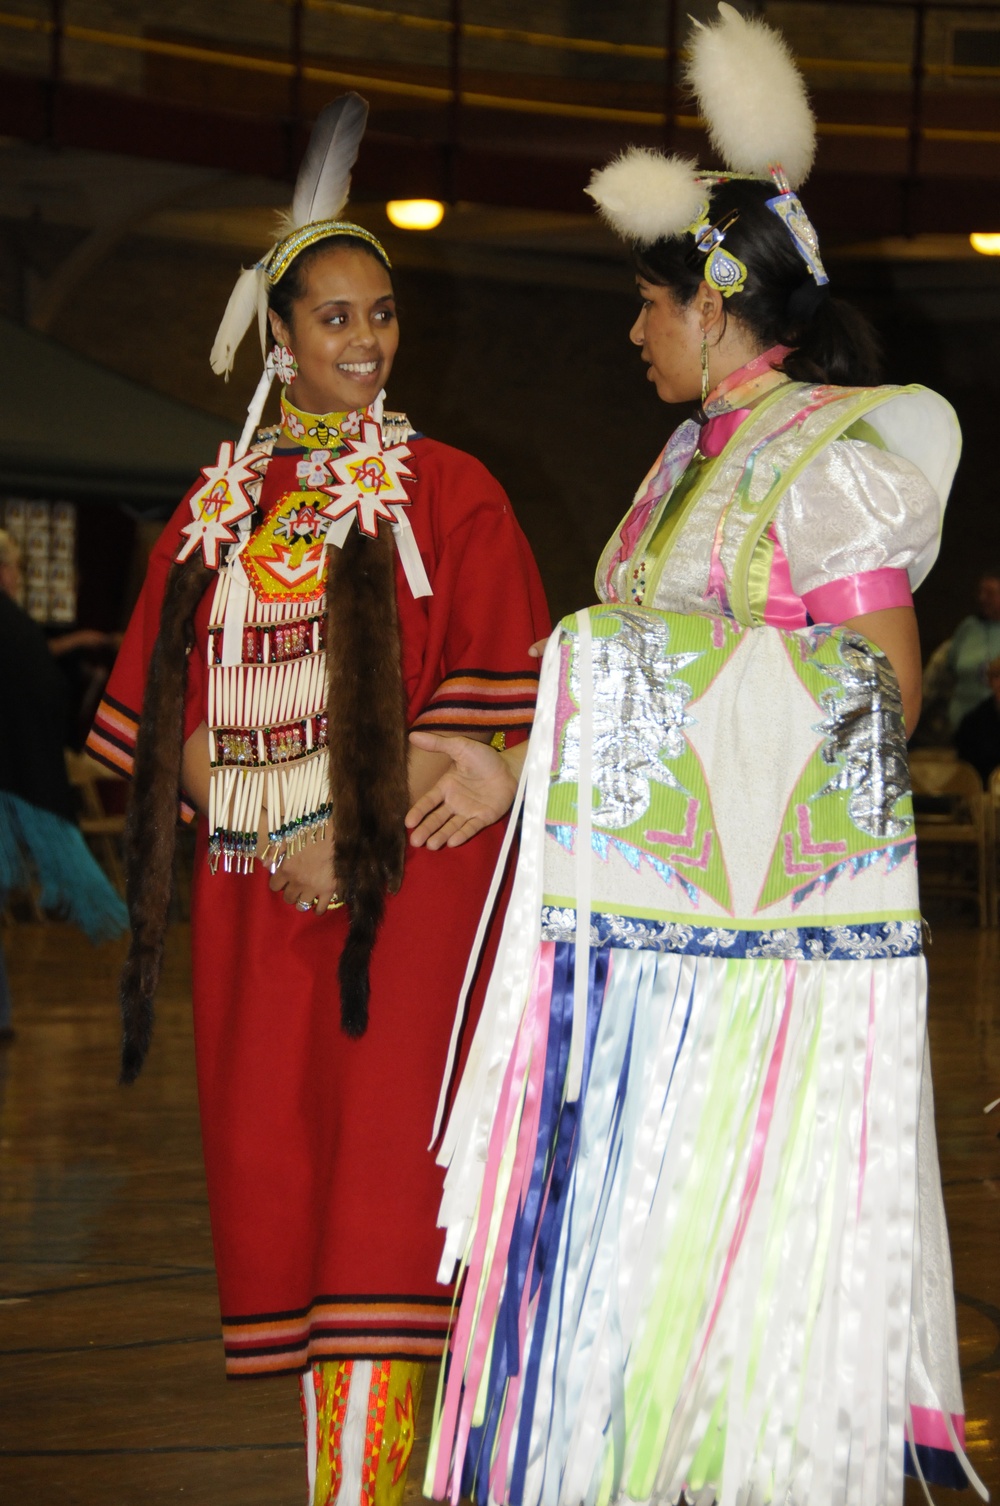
(415, 214)
(987, 243)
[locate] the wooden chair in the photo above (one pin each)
(951, 810)
(993, 832)
(102, 830)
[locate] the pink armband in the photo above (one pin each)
(870, 591)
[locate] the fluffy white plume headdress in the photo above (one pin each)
(754, 102)
(644, 195)
(752, 96)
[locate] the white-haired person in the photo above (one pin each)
(692, 1177)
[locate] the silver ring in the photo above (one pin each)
(303, 905)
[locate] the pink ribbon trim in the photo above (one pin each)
(854, 595)
(785, 608)
(931, 1430)
(717, 433)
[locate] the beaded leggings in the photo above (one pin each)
(360, 1421)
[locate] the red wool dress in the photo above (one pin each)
(322, 1190)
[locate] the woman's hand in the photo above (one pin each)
(476, 790)
(305, 878)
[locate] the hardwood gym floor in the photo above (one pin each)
(111, 1379)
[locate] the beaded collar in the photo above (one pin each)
(315, 431)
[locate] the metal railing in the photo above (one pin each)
(294, 64)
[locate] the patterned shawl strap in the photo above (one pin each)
(366, 712)
(151, 821)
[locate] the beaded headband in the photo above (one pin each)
(277, 264)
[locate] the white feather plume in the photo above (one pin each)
(752, 96)
(321, 191)
(246, 300)
(255, 411)
(324, 179)
(644, 195)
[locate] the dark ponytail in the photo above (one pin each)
(836, 345)
(780, 304)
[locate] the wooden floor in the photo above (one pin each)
(111, 1377)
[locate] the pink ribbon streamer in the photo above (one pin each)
(931, 1430)
(526, 1060)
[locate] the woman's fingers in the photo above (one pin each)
(433, 742)
(460, 831)
(423, 807)
(318, 903)
(430, 824)
(537, 649)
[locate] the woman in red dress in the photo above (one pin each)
(344, 580)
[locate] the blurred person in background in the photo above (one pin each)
(977, 737)
(974, 644)
(40, 843)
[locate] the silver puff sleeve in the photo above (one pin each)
(855, 508)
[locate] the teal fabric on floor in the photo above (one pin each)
(38, 845)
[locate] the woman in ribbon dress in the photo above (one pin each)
(317, 594)
(692, 1178)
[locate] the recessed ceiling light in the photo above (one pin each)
(415, 214)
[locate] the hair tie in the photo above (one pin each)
(807, 300)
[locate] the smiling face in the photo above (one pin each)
(669, 337)
(342, 330)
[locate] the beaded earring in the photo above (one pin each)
(705, 388)
(283, 363)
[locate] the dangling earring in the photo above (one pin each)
(284, 365)
(704, 368)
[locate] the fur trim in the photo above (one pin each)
(151, 821)
(752, 96)
(645, 196)
(366, 712)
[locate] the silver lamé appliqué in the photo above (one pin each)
(866, 738)
(640, 712)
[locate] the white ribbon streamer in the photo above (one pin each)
(464, 1144)
(584, 837)
(254, 411)
(409, 554)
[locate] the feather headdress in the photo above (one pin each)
(756, 109)
(320, 198)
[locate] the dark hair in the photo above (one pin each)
(289, 288)
(780, 303)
